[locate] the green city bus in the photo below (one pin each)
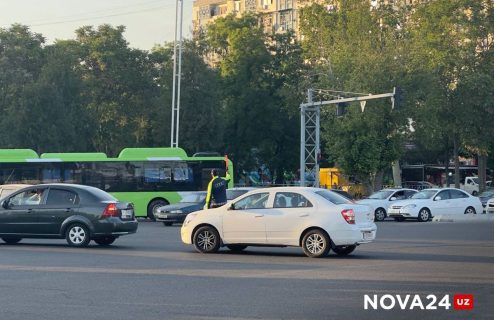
(147, 177)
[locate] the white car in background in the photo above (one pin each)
(315, 219)
(489, 207)
(380, 200)
(432, 202)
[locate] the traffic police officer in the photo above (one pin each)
(216, 196)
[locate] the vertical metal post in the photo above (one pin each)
(302, 146)
(176, 92)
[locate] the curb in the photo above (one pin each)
(482, 218)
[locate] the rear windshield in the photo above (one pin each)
(333, 197)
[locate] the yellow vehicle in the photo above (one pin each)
(332, 178)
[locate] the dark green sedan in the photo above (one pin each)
(75, 212)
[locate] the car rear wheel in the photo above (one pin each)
(236, 247)
(167, 223)
(470, 210)
(105, 241)
(153, 207)
(424, 215)
(380, 214)
(11, 240)
(207, 240)
(315, 244)
(77, 235)
(344, 250)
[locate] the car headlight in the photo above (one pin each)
(176, 211)
(410, 206)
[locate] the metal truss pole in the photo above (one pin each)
(310, 115)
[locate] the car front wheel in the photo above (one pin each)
(424, 215)
(105, 241)
(344, 250)
(380, 214)
(12, 240)
(470, 210)
(207, 240)
(77, 235)
(315, 244)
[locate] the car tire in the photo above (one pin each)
(236, 247)
(316, 244)
(344, 250)
(11, 240)
(424, 215)
(167, 224)
(470, 210)
(399, 219)
(474, 193)
(153, 206)
(380, 214)
(207, 240)
(77, 235)
(105, 241)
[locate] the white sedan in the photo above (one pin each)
(432, 202)
(380, 200)
(315, 219)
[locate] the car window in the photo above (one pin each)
(31, 197)
(380, 195)
(62, 197)
(255, 201)
(457, 194)
(333, 197)
(290, 200)
(424, 194)
(444, 195)
(399, 195)
(409, 193)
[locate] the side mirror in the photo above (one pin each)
(232, 207)
(5, 204)
(437, 198)
(392, 199)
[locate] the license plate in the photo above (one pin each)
(164, 216)
(126, 213)
(368, 235)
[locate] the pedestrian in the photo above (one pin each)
(216, 196)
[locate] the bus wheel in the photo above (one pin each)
(153, 207)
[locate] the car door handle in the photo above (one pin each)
(68, 210)
(29, 210)
(303, 215)
(258, 215)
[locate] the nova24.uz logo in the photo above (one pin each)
(417, 302)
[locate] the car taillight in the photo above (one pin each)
(110, 210)
(348, 215)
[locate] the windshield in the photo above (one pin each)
(380, 195)
(333, 197)
(487, 194)
(424, 194)
(232, 194)
(194, 197)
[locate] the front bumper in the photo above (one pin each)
(170, 217)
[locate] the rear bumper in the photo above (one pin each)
(115, 227)
(356, 236)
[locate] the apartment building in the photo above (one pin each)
(277, 15)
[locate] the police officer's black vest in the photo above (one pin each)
(218, 190)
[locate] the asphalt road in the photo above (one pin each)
(152, 275)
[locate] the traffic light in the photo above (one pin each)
(341, 109)
(397, 98)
